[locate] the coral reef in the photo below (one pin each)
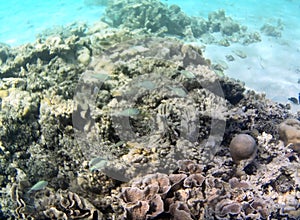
(106, 123)
(152, 16)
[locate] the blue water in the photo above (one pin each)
(21, 21)
(272, 66)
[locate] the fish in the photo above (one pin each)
(293, 100)
(38, 186)
(178, 91)
(187, 74)
(128, 112)
(101, 76)
(147, 85)
(97, 163)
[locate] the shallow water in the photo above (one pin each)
(82, 106)
(271, 66)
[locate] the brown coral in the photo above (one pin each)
(178, 195)
(242, 147)
(144, 199)
(289, 132)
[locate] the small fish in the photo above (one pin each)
(178, 91)
(293, 100)
(119, 144)
(128, 112)
(187, 74)
(38, 186)
(97, 163)
(147, 85)
(101, 76)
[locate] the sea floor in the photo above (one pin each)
(264, 69)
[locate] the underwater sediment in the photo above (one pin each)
(126, 121)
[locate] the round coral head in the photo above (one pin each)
(242, 147)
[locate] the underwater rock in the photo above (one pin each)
(289, 132)
(21, 104)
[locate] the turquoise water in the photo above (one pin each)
(22, 20)
(271, 65)
(82, 112)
